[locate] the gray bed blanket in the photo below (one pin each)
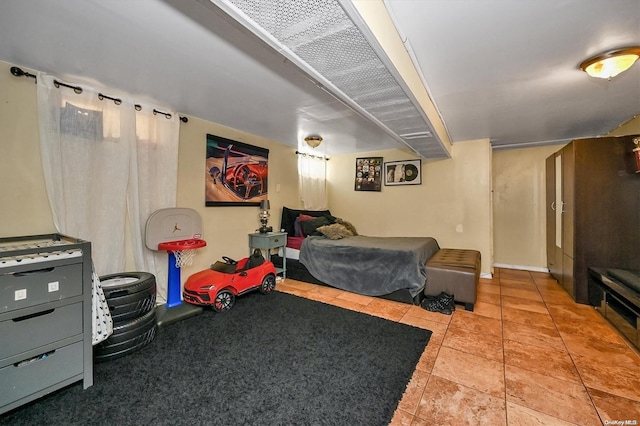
(372, 266)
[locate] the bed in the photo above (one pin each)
(387, 267)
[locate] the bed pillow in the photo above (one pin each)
(310, 227)
(289, 216)
(347, 225)
(296, 225)
(335, 231)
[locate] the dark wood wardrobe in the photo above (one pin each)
(593, 210)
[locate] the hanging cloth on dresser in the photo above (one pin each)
(101, 321)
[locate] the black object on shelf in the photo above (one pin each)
(615, 293)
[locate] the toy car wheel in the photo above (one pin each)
(224, 301)
(268, 284)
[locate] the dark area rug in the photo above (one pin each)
(272, 359)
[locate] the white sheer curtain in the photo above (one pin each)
(84, 144)
(103, 163)
(153, 185)
(312, 173)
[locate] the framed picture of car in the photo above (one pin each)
(406, 172)
(237, 174)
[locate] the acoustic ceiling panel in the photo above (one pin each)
(322, 39)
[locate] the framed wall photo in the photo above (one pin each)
(237, 174)
(368, 174)
(406, 172)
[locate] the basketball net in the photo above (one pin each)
(184, 257)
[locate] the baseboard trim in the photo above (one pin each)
(487, 275)
(520, 267)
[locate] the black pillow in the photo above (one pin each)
(289, 216)
(309, 227)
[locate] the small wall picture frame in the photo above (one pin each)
(368, 174)
(404, 172)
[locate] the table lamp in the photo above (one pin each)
(264, 217)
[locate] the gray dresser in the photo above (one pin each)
(45, 316)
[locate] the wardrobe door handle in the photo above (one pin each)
(553, 206)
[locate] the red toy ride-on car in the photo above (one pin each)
(219, 285)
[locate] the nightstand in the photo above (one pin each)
(269, 241)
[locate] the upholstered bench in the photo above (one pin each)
(456, 272)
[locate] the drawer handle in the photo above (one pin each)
(34, 359)
(37, 314)
(35, 271)
(276, 240)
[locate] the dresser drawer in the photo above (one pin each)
(267, 241)
(40, 285)
(25, 378)
(47, 326)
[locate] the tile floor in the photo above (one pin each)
(527, 355)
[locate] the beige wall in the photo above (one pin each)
(453, 204)
(25, 208)
(630, 127)
(519, 238)
(519, 203)
(226, 228)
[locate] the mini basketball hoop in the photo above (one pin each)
(178, 231)
(184, 250)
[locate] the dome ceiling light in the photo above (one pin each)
(313, 141)
(611, 63)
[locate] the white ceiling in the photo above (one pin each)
(497, 69)
(508, 70)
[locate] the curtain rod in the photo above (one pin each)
(319, 157)
(18, 72)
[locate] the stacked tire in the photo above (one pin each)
(131, 297)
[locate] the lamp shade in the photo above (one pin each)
(264, 205)
(612, 63)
